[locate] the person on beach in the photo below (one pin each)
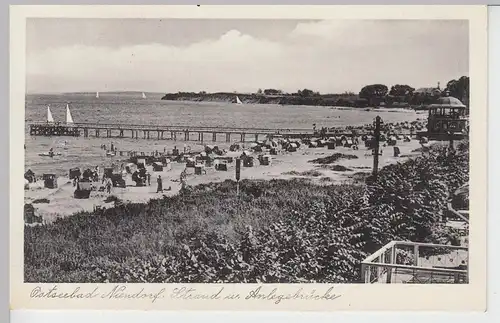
(160, 185)
(109, 184)
(183, 178)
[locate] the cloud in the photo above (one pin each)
(328, 56)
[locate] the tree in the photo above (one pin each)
(459, 89)
(373, 90)
(374, 93)
(259, 91)
(305, 93)
(401, 90)
(272, 92)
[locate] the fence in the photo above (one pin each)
(416, 263)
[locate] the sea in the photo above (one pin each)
(131, 108)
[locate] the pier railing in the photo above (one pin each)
(147, 131)
(416, 263)
(156, 127)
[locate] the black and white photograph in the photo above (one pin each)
(246, 151)
(318, 158)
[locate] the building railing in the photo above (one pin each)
(417, 263)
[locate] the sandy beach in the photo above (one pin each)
(285, 165)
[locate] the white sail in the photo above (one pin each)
(49, 115)
(69, 118)
(238, 101)
(97, 95)
(143, 95)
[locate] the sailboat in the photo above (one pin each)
(49, 115)
(69, 118)
(97, 95)
(143, 95)
(238, 101)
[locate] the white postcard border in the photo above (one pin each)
(353, 296)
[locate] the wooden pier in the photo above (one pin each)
(159, 132)
(186, 133)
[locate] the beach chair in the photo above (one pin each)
(392, 141)
(190, 162)
(157, 167)
(108, 172)
(397, 152)
(221, 166)
(257, 148)
(50, 180)
(141, 163)
(199, 170)
(83, 190)
(139, 179)
(30, 176)
(348, 143)
(75, 173)
(248, 161)
(234, 147)
(331, 145)
(117, 180)
(265, 160)
(292, 147)
(29, 215)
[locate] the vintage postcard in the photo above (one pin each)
(302, 158)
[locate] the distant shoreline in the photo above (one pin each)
(327, 100)
(344, 100)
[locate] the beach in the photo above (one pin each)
(285, 165)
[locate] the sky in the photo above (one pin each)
(171, 55)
